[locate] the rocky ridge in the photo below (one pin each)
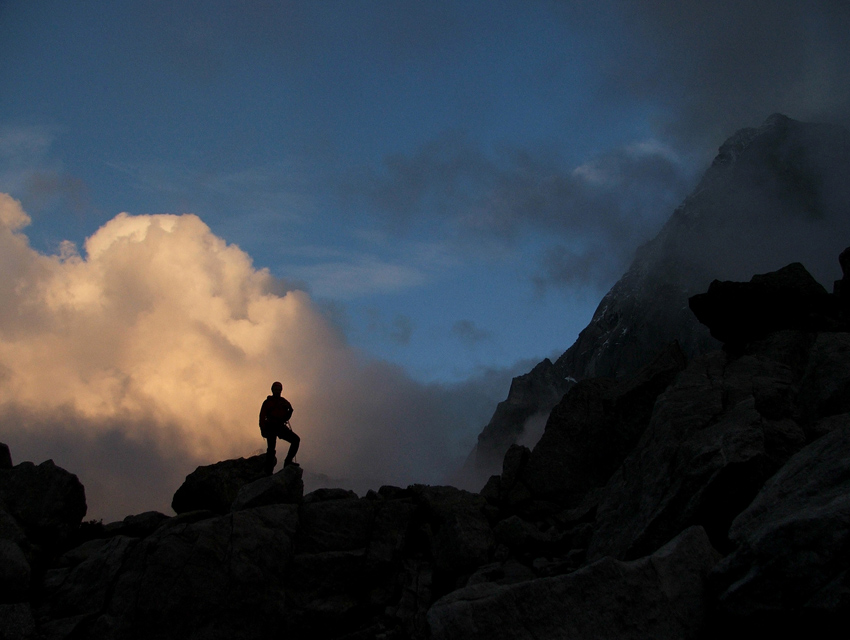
(690, 499)
(753, 211)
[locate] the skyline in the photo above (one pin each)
(446, 191)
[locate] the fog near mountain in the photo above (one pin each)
(150, 352)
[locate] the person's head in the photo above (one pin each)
(277, 388)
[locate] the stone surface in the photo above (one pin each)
(661, 596)
(219, 577)
(594, 427)
(47, 501)
(791, 568)
(706, 453)
(14, 573)
(335, 525)
(284, 487)
(16, 622)
(214, 487)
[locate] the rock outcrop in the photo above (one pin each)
(214, 487)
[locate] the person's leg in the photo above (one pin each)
(271, 459)
(290, 436)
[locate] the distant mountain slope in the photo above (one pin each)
(775, 194)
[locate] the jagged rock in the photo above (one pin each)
(592, 429)
(220, 577)
(214, 487)
(137, 526)
(14, 573)
(47, 501)
(16, 621)
(739, 312)
(661, 596)
(791, 569)
(5, 456)
(706, 453)
(284, 487)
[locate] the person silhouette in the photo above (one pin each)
(274, 424)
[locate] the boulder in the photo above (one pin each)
(705, 455)
(790, 572)
(661, 596)
(739, 312)
(284, 487)
(214, 487)
(593, 428)
(47, 501)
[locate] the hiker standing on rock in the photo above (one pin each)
(274, 424)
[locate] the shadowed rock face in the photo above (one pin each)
(662, 596)
(773, 195)
(789, 570)
(48, 502)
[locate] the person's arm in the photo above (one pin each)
(263, 416)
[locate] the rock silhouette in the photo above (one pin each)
(690, 499)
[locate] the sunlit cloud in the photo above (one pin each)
(162, 337)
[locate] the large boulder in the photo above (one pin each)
(661, 596)
(714, 438)
(739, 312)
(214, 487)
(46, 500)
(790, 572)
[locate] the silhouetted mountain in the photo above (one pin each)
(773, 195)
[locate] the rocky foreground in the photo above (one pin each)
(690, 500)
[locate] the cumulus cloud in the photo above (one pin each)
(150, 351)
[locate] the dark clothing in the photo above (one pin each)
(274, 424)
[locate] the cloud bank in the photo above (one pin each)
(151, 351)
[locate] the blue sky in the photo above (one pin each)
(454, 184)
